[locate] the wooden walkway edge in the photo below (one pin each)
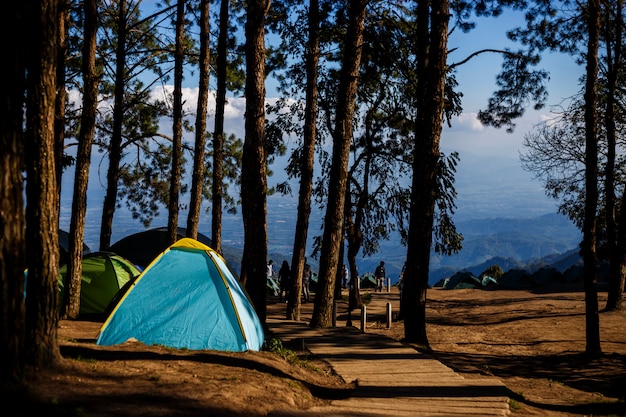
(392, 379)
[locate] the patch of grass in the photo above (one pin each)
(275, 346)
(514, 405)
(295, 384)
(85, 360)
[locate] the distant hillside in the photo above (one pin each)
(510, 243)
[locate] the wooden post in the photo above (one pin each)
(363, 317)
(389, 315)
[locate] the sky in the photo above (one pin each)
(489, 169)
(489, 181)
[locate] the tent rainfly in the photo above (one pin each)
(143, 247)
(104, 274)
(187, 298)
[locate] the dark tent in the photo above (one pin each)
(516, 279)
(368, 280)
(574, 273)
(462, 280)
(64, 247)
(141, 248)
(548, 275)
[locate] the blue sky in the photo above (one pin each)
(490, 181)
(489, 169)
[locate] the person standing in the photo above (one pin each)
(344, 275)
(269, 272)
(306, 279)
(284, 278)
(270, 269)
(380, 275)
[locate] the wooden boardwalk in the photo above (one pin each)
(392, 379)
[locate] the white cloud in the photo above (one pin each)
(468, 121)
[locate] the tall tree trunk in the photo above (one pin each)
(115, 146)
(621, 255)
(195, 203)
(355, 241)
(218, 134)
(431, 53)
(254, 170)
(354, 213)
(71, 302)
(12, 239)
(592, 319)
(59, 120)
(616, 277)
(42, 200)
(177, 129)
(306, 163)
(342, 138)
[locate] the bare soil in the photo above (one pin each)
(533, 341)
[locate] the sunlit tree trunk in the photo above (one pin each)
(195, 203)
(71, 302)
(42, 199)
(306, 163)
(337, 186)
(254, 169)
(431, 53)
(115, 145)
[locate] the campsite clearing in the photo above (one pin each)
(532, 341)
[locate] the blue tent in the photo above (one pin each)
(187, 298)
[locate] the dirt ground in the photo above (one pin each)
(533, 341)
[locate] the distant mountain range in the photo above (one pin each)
(509, 242)
(550, 239)
(529, 244)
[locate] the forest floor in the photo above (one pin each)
(533, 341)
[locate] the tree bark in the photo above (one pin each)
(218, 134)
(614, 57)
(71, 302)
(254, 170)
(12, 238)
(592, 319)
(306, 163)
(42, 218)
(177, 129)
(59, 122)
(195, 203)
(431, 52)
(342, 138)
(115, 146)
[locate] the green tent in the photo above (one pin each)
(103, 275)
(368, 280)
(462, 280)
